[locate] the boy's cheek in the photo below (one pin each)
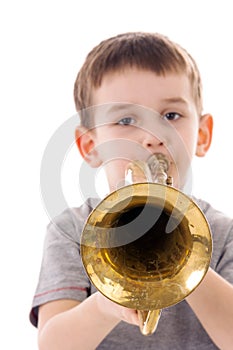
(121, 149)
(182, 173)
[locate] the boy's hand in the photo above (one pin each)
(109, 308)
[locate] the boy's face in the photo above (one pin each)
(139, 113)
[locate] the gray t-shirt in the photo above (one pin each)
(62, 276)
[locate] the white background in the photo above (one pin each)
(43, 44)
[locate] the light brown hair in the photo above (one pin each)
(149, 51)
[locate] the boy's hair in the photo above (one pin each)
(148, 51)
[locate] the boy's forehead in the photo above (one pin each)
(142, 87)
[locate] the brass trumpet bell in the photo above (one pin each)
(146, 246)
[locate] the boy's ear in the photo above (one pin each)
(204, 135)
(85, 142)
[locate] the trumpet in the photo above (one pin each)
(147, 245)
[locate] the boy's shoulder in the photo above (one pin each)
(212, 214)
(220, 224)
(70, 222)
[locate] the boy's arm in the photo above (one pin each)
(212, 303)
(70, 325)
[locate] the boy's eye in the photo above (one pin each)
(171, 116)
(127, 121)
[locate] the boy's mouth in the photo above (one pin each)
(154, 169)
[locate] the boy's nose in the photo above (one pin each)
(152, 142)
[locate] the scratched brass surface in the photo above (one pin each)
(146, 246)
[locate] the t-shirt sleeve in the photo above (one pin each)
(225, 261)
(62, 275)
(222, 234)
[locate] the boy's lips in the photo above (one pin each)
(161, 155)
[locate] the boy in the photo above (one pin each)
(147, 98)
